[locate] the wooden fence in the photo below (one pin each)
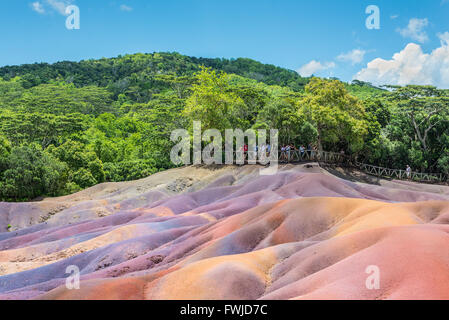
(339, 158)
(327, 157)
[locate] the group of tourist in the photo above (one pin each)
(286, 151)
(264, 149)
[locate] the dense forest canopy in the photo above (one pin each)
(139, 70)
(70, 125)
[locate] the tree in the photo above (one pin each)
(42, 128)
(212, 102)
(179, 85)
(63, 98)
(282, 114)
(424, 106)
(30, 173)
(5, 150)
(85, 167)
(337, 116)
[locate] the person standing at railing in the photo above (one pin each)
(302, 150)
(282, 153)
(314, 153)
(408, 171)
(287, 150)
(309, 150)
(293, 151)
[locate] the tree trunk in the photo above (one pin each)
(319, 144)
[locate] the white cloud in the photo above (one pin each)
(124, 7)
(314, 66)
(444, 38)
(59, 5)
(51, 5)
(411, 66)
(414, 30)
(38, 7)
(355, 56)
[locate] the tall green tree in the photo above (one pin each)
(425, 107)
(212, 102)
(30, 173)
(338, 116)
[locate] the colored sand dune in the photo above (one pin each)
(229, 233)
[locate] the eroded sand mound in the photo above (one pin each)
(229, 233)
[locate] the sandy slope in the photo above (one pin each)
(228, 233)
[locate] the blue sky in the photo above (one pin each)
(328, 38)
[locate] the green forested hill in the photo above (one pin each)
(124, 71)
(70, 125)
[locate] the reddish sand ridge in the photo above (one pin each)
(228, 233)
